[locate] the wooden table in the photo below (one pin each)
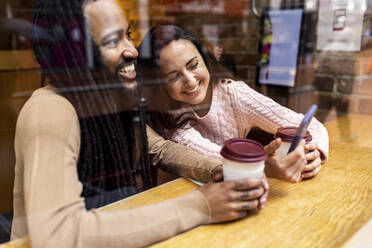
(325, 211)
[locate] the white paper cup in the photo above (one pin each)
(242, 158)
(287, 135)
(283, 148)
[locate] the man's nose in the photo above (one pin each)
(129, 51)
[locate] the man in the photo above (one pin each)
(79, 145)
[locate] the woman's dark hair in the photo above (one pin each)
(113, 150)
(161, 104)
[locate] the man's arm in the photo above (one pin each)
(47, 148)
(179, 159)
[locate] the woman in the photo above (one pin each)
(202, 106)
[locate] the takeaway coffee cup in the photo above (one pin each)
(287, 135)
(242, 158)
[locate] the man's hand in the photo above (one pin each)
(217, 176)
(263, 198)
(230, 200)
(288, 168)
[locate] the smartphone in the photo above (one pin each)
(301, 130)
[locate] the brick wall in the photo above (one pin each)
(344, 83)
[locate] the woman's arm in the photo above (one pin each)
(258, 110)
(269, 115)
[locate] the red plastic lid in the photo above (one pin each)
(287, 134)
(243, 150)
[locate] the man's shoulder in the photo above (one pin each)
(47, 98)
(45, 104)
(48, 90)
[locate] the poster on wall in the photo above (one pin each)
(280, 37)
(340, 25)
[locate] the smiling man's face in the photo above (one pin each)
(110, 32)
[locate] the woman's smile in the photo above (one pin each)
(194, 91)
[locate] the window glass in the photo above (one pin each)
(296, 52)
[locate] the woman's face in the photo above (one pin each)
(185, 73)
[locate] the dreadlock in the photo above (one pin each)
(113, 162)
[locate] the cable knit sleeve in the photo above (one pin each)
(192, 138)
(263, 112)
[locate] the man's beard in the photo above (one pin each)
(132, 94)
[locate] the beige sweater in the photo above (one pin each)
(47, 202)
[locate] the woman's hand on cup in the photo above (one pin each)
(313, 159)
(230, 200)
(288, 168)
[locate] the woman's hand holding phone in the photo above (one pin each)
(288, 168)
(313, 159)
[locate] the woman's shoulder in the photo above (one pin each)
(239, 92)
(228, 82)
(228, 85)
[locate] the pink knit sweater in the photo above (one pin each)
(235, 109)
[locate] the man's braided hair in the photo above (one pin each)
(114, 150)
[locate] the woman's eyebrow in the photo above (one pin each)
(191, 60)
(188, 62)
(170, 73)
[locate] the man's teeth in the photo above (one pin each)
(127, 69)
(193, 90)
